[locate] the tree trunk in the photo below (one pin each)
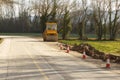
(112, 37)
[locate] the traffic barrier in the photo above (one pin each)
(84, 55)
(68, 49)
(108, 63)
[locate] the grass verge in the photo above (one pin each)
(111, 47)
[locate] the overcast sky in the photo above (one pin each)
(27, 2)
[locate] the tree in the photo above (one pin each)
(106, 17)
(66, 24)
(113, 23)
(98, 16)
(46, 9)
(82, 11)
(6, 2)
(64, 17)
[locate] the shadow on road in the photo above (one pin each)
(25, 69)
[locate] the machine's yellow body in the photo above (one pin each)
(50, 33)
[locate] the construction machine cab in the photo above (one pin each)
(50, 33)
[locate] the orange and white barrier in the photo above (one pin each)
(68, 49)
(108, 63)
(84, 55)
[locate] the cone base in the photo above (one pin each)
(67, 51)
(107, 65)
(84, 56)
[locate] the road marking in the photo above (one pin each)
(39, 68)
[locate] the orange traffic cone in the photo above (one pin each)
(108, 63)
(68, 49)
(84, 55)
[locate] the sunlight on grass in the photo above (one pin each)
(112, 47)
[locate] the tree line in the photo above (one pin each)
(82, 17)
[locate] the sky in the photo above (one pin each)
(26, 3)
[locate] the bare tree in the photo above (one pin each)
(46, 9)
(82, 11)
(113, 18)
(6, 2)
(100, 16)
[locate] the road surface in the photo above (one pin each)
(27, 58)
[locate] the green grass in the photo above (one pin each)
(21, 34)
(111, 47)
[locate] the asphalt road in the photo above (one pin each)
(27, 58)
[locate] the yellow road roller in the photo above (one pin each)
(50, 33)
